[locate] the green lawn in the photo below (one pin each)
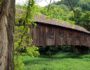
(60, 61)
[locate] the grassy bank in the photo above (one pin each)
(60, 61)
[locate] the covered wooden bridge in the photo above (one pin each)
(51, 32)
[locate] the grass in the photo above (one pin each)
(60, 61)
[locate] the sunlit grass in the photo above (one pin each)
(60, 61)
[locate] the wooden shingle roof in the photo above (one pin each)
(44, 20)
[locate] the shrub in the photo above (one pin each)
(33, 51)
(18, 62)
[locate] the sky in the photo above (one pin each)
(41, 3)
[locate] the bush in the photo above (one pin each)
(18, 62)
(33, 51)
(18, 58)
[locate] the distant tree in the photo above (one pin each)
(84, 4)
(85, 20)
(78, 6)
(70, 3)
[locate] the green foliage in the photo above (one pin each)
(18, 58)
(22, 30)
(69, 3)
(84, 4)
(25, 43)
(56, 12)
(80, 14)
(33, 51)
(22, 38)
(85, 20)
(18, 62)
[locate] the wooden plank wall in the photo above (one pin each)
(49, 35)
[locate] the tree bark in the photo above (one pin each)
(7, 19)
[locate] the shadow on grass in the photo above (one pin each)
(67, 55)
(59, 56)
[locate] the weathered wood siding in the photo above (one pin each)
(49, 35)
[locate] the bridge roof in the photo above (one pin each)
(45, 20)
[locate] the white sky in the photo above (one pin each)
(41, 3)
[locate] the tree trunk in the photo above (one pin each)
(7, 19)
